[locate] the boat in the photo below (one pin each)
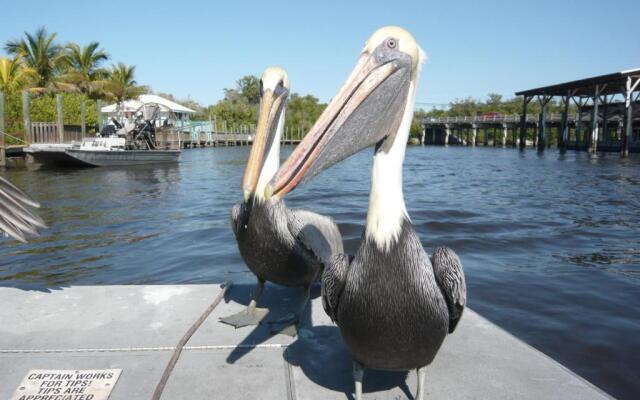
(147, 137)
(110, 151)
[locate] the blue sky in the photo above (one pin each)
(196, 48)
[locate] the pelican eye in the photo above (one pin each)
(392, 43)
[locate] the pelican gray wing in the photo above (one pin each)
(16, 220)
(450, 277)
(334, 278)
(318, 233)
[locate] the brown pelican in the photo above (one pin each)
(284, 246)
(16, 220)
(394, 305)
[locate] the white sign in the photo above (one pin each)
(67, 385)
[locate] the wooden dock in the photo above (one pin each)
(221, 139)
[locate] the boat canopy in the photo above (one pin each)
(134, 105)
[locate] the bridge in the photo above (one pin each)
(506, 130)
(605, 117)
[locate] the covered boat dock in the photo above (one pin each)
(608, 100)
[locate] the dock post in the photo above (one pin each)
(505, 133)
(99, 114)
(485, 136)
(424, 134)
(446, 135)
(563, 137)
(593, 138)
(523, 122)
(60, 119)
(474, 135)
(26, 117)
(605, 122)
(542, 122)
(3, 155)
(579, 126)
(83, 119)
(628, 120)
(628, 128)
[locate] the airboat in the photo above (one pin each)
(149, 135)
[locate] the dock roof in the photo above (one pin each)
(612, 84)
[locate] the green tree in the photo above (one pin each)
(248, 87)
(14, 76)
(40, 52)
(303, 111)
(84, 68)
(121, 84)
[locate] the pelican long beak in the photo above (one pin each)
(263, 140)
(356, 118)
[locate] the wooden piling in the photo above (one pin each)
(628, 128)
(99, 114)
(60, 119)
(83, 119)
(593, 138)
(505, 133)
(26, 117)
(523, 122)
(563, 137)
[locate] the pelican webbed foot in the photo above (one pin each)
(252, 315)
(248, 316)
(288, 325)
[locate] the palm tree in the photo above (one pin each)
(84, 68)
(40, 53)
(14, 75)
(121, 84)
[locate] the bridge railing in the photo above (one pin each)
(510, 118)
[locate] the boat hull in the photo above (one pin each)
(128, 157)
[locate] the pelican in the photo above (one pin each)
(16, 220)
(284, 246)
(393, 304)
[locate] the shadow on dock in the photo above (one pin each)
(279, 300)
(324, 359)
(318, 351)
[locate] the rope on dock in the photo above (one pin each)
(157, 394)
(12, 137)
(145, 349)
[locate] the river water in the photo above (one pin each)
(550, 243)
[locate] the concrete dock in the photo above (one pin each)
(136, 328)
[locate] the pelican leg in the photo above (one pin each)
(251, 315)
(421, 373)
(358, 375)
(288, 324)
